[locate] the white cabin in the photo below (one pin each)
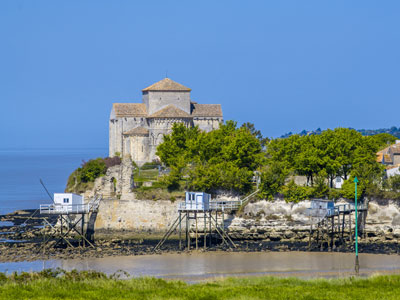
(68, 199)
(197, 201)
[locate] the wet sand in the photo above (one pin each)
(196, 266)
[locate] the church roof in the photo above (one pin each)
(206, 110)
(137, 131)
(167, 85)
(130, 109)
(170, 111)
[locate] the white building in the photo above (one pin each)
(68, 200)
(136, 129)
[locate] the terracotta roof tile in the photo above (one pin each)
(170, 111)
(130, 109)
(206, 110)
(137, 131)
(387, 158)
(167, 85)
(395, 149)
(379, 157)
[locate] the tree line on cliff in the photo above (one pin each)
(226, 159)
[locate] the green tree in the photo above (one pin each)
(295, 193)
(176, 144)
(273, 176)
(382, 140)
(320, 189)
(224, 158)
(394, 183)
(348, 189)
(256, 133)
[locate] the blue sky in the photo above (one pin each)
(282, 65)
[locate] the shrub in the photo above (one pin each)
(92, 169)
(295, 193)
(334, 194)
(394, 183)
(348, 189)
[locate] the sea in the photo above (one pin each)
(22, 169)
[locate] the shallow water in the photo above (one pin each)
(6, 224)
(198, 266)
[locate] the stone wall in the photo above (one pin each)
(207, 123)
(117, 182)
(135, 216)
(267, 220)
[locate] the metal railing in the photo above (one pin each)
(212, 205)
(91, 206)
(216, 205)
(334, 211)
(64, 209)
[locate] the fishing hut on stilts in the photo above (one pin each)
(201, 221)
(75, 220)
(333, 225)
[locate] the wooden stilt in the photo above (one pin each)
(350, 230)
(210, 242)
(197, 245)
(309, 237)
(82, 229)
(216, 222)
(187, 231)
(180, 230)
(205, 230)
(332, 243)
(343, 220)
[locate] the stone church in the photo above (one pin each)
(136, 129)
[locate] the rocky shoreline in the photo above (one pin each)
(22, 241)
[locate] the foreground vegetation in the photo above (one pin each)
(93, 285)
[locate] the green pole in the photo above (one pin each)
(357, 265)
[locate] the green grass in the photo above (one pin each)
(158, 193)
(93, 285)
(145, 175)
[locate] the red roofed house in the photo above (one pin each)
(390, 156)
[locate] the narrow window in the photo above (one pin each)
(66, 200)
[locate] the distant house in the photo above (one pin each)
(390, 157)
(338, 182)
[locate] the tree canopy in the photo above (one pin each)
(340, 152)
(226, 159)
(221, 159)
